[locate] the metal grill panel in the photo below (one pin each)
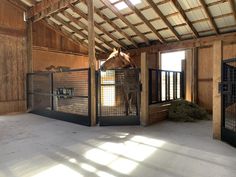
(228, 89)
(165, 86)
(61, 95)
(118, 97)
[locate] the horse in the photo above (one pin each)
(129, 84)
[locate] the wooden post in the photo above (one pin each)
(195, 75)
(189, 75)
(29, 46)
(144, 94)
(217, 59)
(92, 61)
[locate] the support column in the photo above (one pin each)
(144, 94)
(29, 46)
(189, 75)
(217, 59)
(92, 61)
(195, 75)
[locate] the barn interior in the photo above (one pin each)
(107, 73)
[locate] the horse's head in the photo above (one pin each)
(117, 60)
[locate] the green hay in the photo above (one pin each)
(184, 111)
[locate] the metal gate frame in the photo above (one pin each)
(68, 117)
(116, 120)
(227, 135)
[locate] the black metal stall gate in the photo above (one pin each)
(228, 91)
(118, 97)
(165, 86)
(60, 95)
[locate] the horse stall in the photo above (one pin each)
(164, 87)
(62, 95)
(119, 97)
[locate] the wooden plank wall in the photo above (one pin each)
(45, 37)
(205, 77)
(13, 59)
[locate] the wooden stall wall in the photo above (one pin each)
(13, 59)
(50, 48)
(205, 78)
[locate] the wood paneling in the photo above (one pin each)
(158, 112)
(205, 77)
(13, 60)
(45, 37)
(229, 51)
(43, 59)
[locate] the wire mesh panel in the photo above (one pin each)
(118, 98)
(165, 86)
(228, 88)
(60, 95)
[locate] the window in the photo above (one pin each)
(122, 5)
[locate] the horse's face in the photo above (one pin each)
(116, 60)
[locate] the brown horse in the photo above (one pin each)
(120, 60)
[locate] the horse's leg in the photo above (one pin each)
(126, 105)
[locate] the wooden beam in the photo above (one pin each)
(57, 28)
(92, 62)
(12, 32)
(85, 16)
(143, 18)
(77, 31)
(46, 8)
(85, 27)
(125, 20)
(233, 7)
(164, 19)
(218, 56)
(117, 28)
(18, 4)
(29, 46)
(144, 117)
(184, 16)
(207, 12)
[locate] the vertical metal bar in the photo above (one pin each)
(100, 93)
(166, 85)
(157, 85)
(150, 86)
(89, 96)
(27, 90)
(160, 86)
(52, 97)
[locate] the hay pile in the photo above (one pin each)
(184, 111)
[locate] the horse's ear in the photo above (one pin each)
(114, 50)
(119, 50)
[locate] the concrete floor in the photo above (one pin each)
(34, 146)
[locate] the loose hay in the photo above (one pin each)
(184, 111)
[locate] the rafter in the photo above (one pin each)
(164, 19)
(57, 28)
(110, 22)
(125, 20)
(85, 27)
(85, 16)
(141, 16)
(232, 4)
(184, 16)
(46, 8)
(76, 30)
(207, 11)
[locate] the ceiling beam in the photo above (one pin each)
(164, 19)
(85, 27)
(46, 8)
(207, 12)
(108, 4)
(58, 29)
(77, 31)
(143, 18)
(117, 28)
(85, 16)
(233, 7)
(184, 16)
